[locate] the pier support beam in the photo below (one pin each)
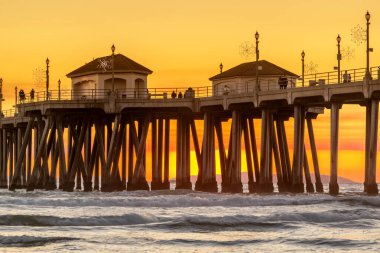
(207, 180)
(372, 188)
(166, 184)
(157, 154)
(183, 153)
(266, 166)
(333, 185)
(253, 187)
(232, 181)
(138, 180)
(318, 181)
(298, 157)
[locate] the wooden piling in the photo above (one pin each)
(372, 188)
(333, 185)
(318, 181)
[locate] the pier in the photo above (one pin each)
(96, 139)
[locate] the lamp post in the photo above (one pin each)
(303, 68)
(221, 67)
(339, 56)
(59, 89)
(367, 73)
(1, 96)
(113, 66)
(15, 96)
(257, 60)
(47, 78)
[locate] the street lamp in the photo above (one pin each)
(257, 60)
(1, 95)
(113, 66)
(47, 78)
(221, 67)
(368, 74)
(59, 89)
(303, 68)
(15, 96)
(339, 56)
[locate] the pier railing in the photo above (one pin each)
(8, 113)
(324, 78)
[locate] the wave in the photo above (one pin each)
(176, 199)
(354, 218)
(332, 242)
(45, 220)
(31, 241)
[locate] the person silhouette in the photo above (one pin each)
(345, 77)
(21, 95)
(32, 94)
(180, 95)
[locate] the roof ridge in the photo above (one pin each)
(247, 69)
(121, 63)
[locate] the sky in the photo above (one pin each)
(184, 42)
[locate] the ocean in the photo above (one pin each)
(187, 221)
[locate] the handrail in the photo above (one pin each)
(8, 113)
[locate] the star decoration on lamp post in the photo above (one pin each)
(311, 68)
(247, 50)
(105, 64)
(358, 35)
(39, 78)
(348, 53)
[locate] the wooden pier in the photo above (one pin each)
(98, 141)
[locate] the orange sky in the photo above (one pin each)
(183, 42)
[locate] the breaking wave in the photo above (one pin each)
(178, 199)
(31, 241)
(45, 220)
